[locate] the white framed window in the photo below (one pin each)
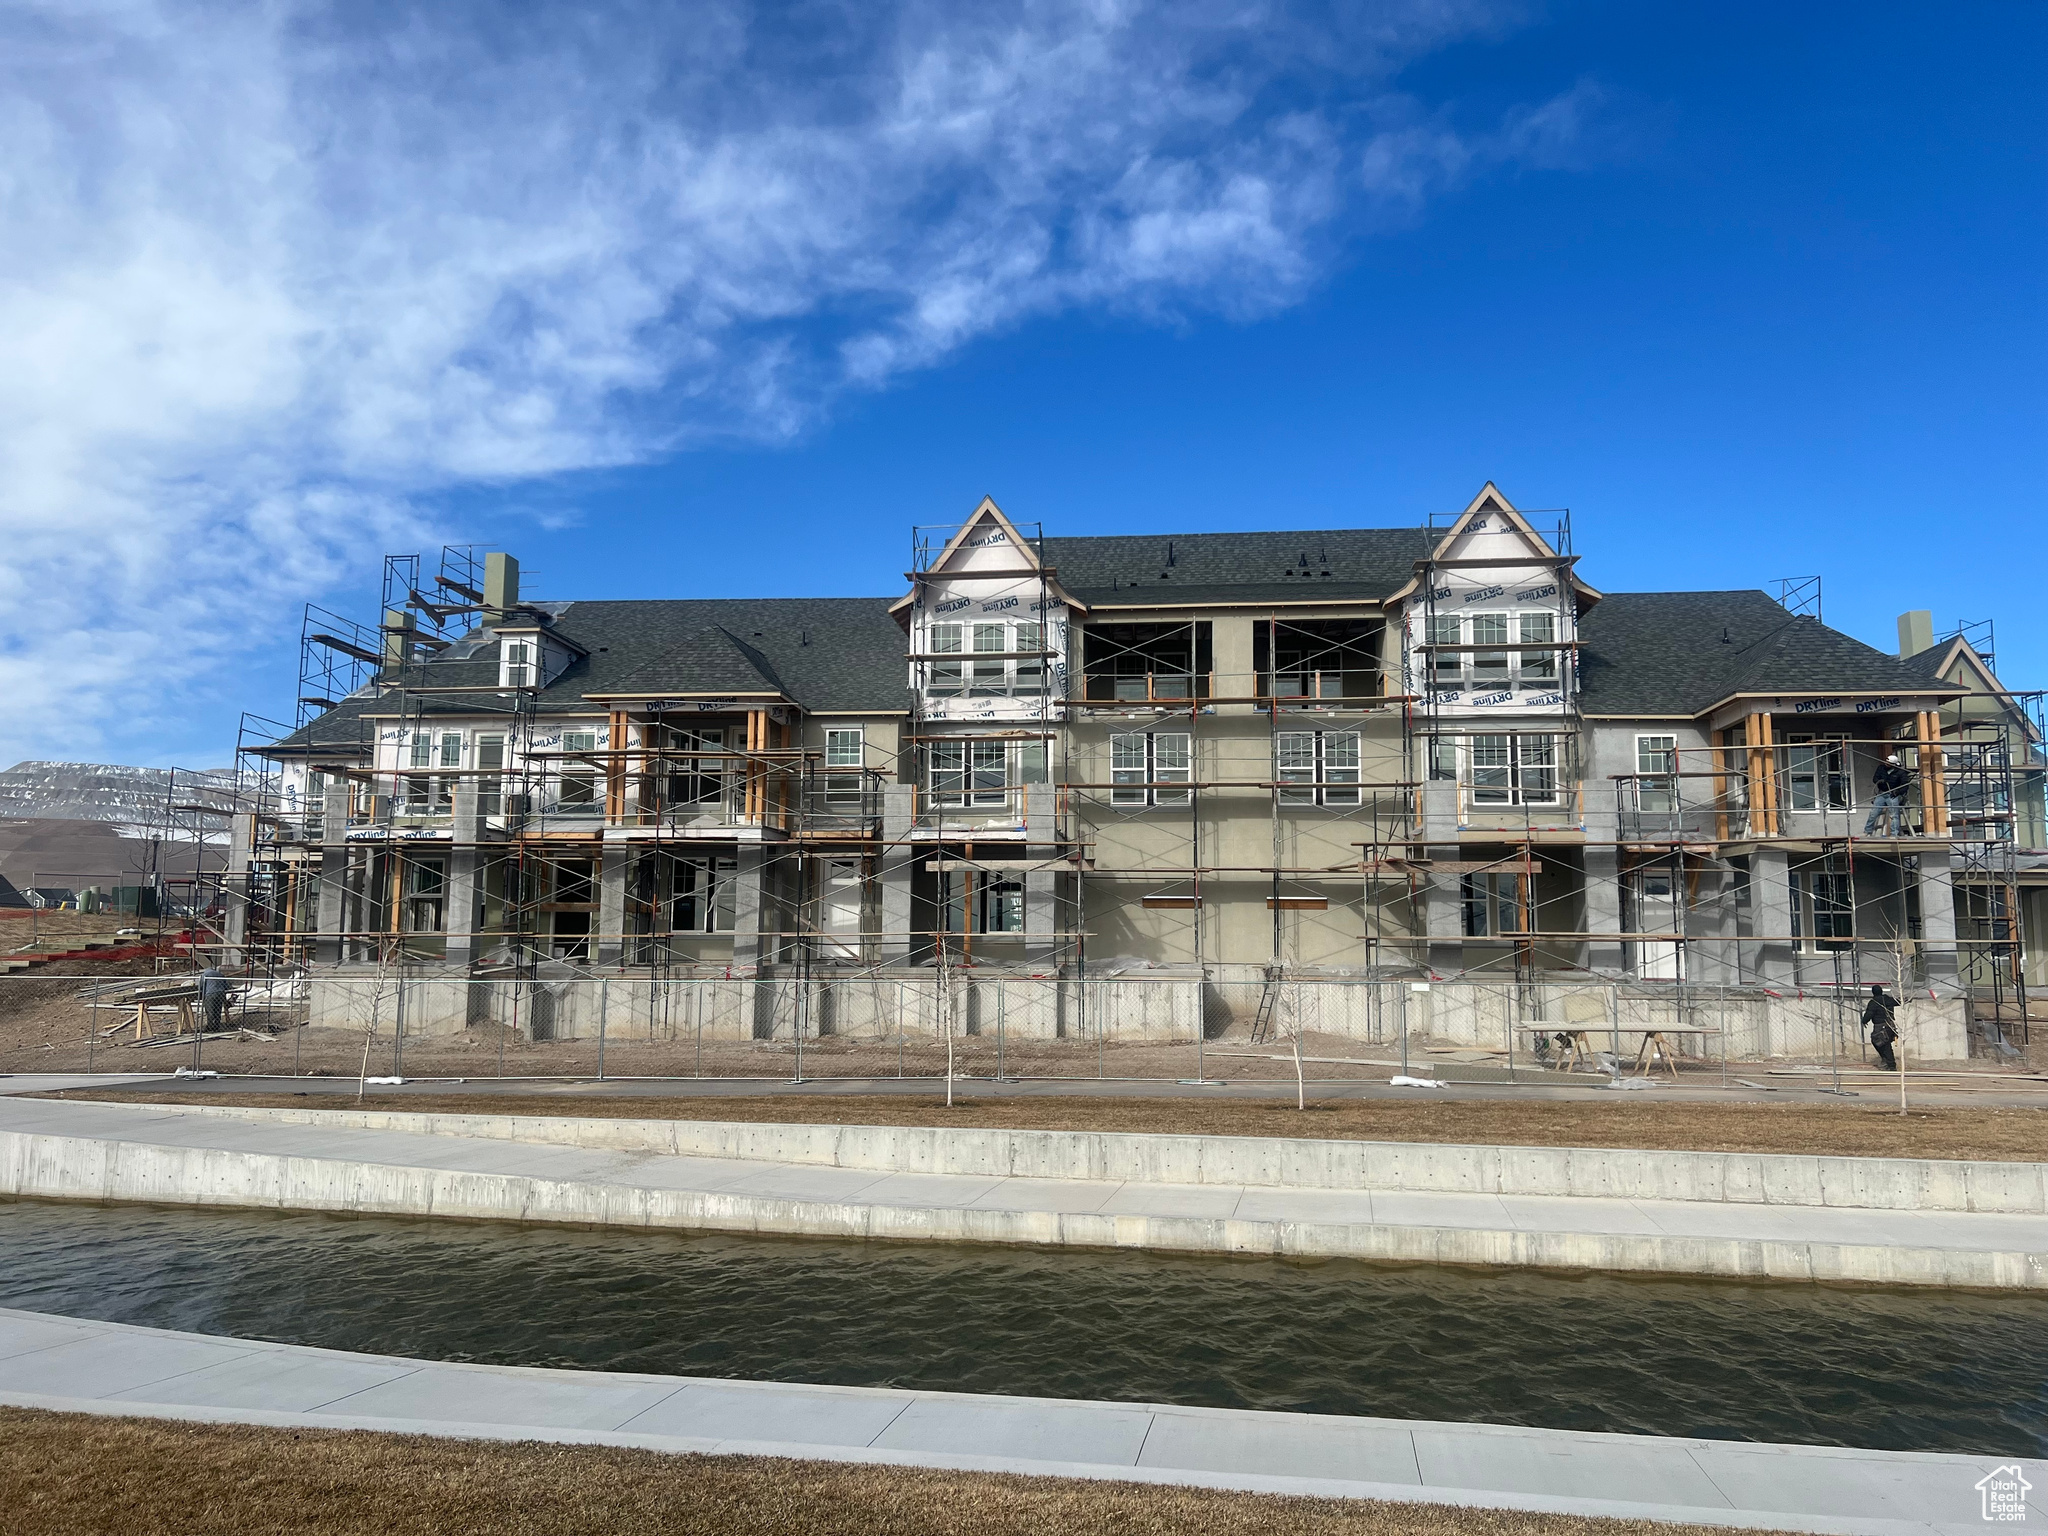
(1657, 761)
(1453, 664)
(947, 677)
(1490, 669)
(1447, 667)
(704, 895)
(999, 900)
(1496, 904)
(1823, 907)
(578, 776)
(1029, 670)
(984, 771)
(1318, 768)
(1817, 773)
(490, 759)
(1145, 765)
(1503, 768)
(845, 748)
(997, 659)
(1536, 670)
(519, 664)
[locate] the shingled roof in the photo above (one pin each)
(1679, 653)
(1339, 564)
(832, 654)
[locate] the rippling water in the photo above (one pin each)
(1899, 1370)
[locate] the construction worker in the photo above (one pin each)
(1891, 781)
(213, 996)
(1877, 1018)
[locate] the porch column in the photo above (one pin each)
(613, 858)
(747, 909)
(893, 865)
(1604, 956)
(1041, 911)
(1938, 922)
(328, 918)
(458, 906)
(1770, 905)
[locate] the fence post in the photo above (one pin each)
(1614, 1024)
(398, 1029)
(603, 999)
(1002, 1020)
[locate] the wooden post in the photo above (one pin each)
(1721, 786)
(615, 772)
(1763, 777)
(1933, 784)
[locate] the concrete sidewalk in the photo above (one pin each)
(167, 1154)
(76, 1365)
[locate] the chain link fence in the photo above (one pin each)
(394, 1022)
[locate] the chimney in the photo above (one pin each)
(399, 632)
(1916, 632)
(501, 587)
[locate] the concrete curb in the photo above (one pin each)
(52, 1166)
(1733, 1178)
(161, 1374)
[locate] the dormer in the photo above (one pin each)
(531, 655)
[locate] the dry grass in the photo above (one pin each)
(74, 1474)
(1845, 1130)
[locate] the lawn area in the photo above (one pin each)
(1845, 1130)
(83, 1475)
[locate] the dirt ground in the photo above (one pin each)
(43, 1028)
(1841, 1130)
(80, 1475)
(51, 931)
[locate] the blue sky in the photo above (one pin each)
(1754, 291)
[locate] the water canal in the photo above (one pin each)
(1892, 1370)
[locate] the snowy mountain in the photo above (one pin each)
(133, 798)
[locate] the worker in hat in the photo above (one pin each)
(1891, 781)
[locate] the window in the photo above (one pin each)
(947, 677)
(1656, 756)
(967, 773)
(991, 677)
(519, 666)
(1738, 867)
(490, 759)
(1490, 671)
(845, 747)
(1145, 765)
(1495, 904)
(696, 781)
(1447, 667)
(579, 777)
(1823, 907)
(999, 903)
(1504, 769)
(1324, 764)
(425, 888)
(1443, 758)
(1816, 773)
(1030, 670)
(704, 895)
(977, 771)
(992, 663)
(1538, 668)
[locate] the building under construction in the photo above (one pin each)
(1217, 761)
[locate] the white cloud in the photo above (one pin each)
(271, 271)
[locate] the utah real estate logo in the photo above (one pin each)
(2005, 1491)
